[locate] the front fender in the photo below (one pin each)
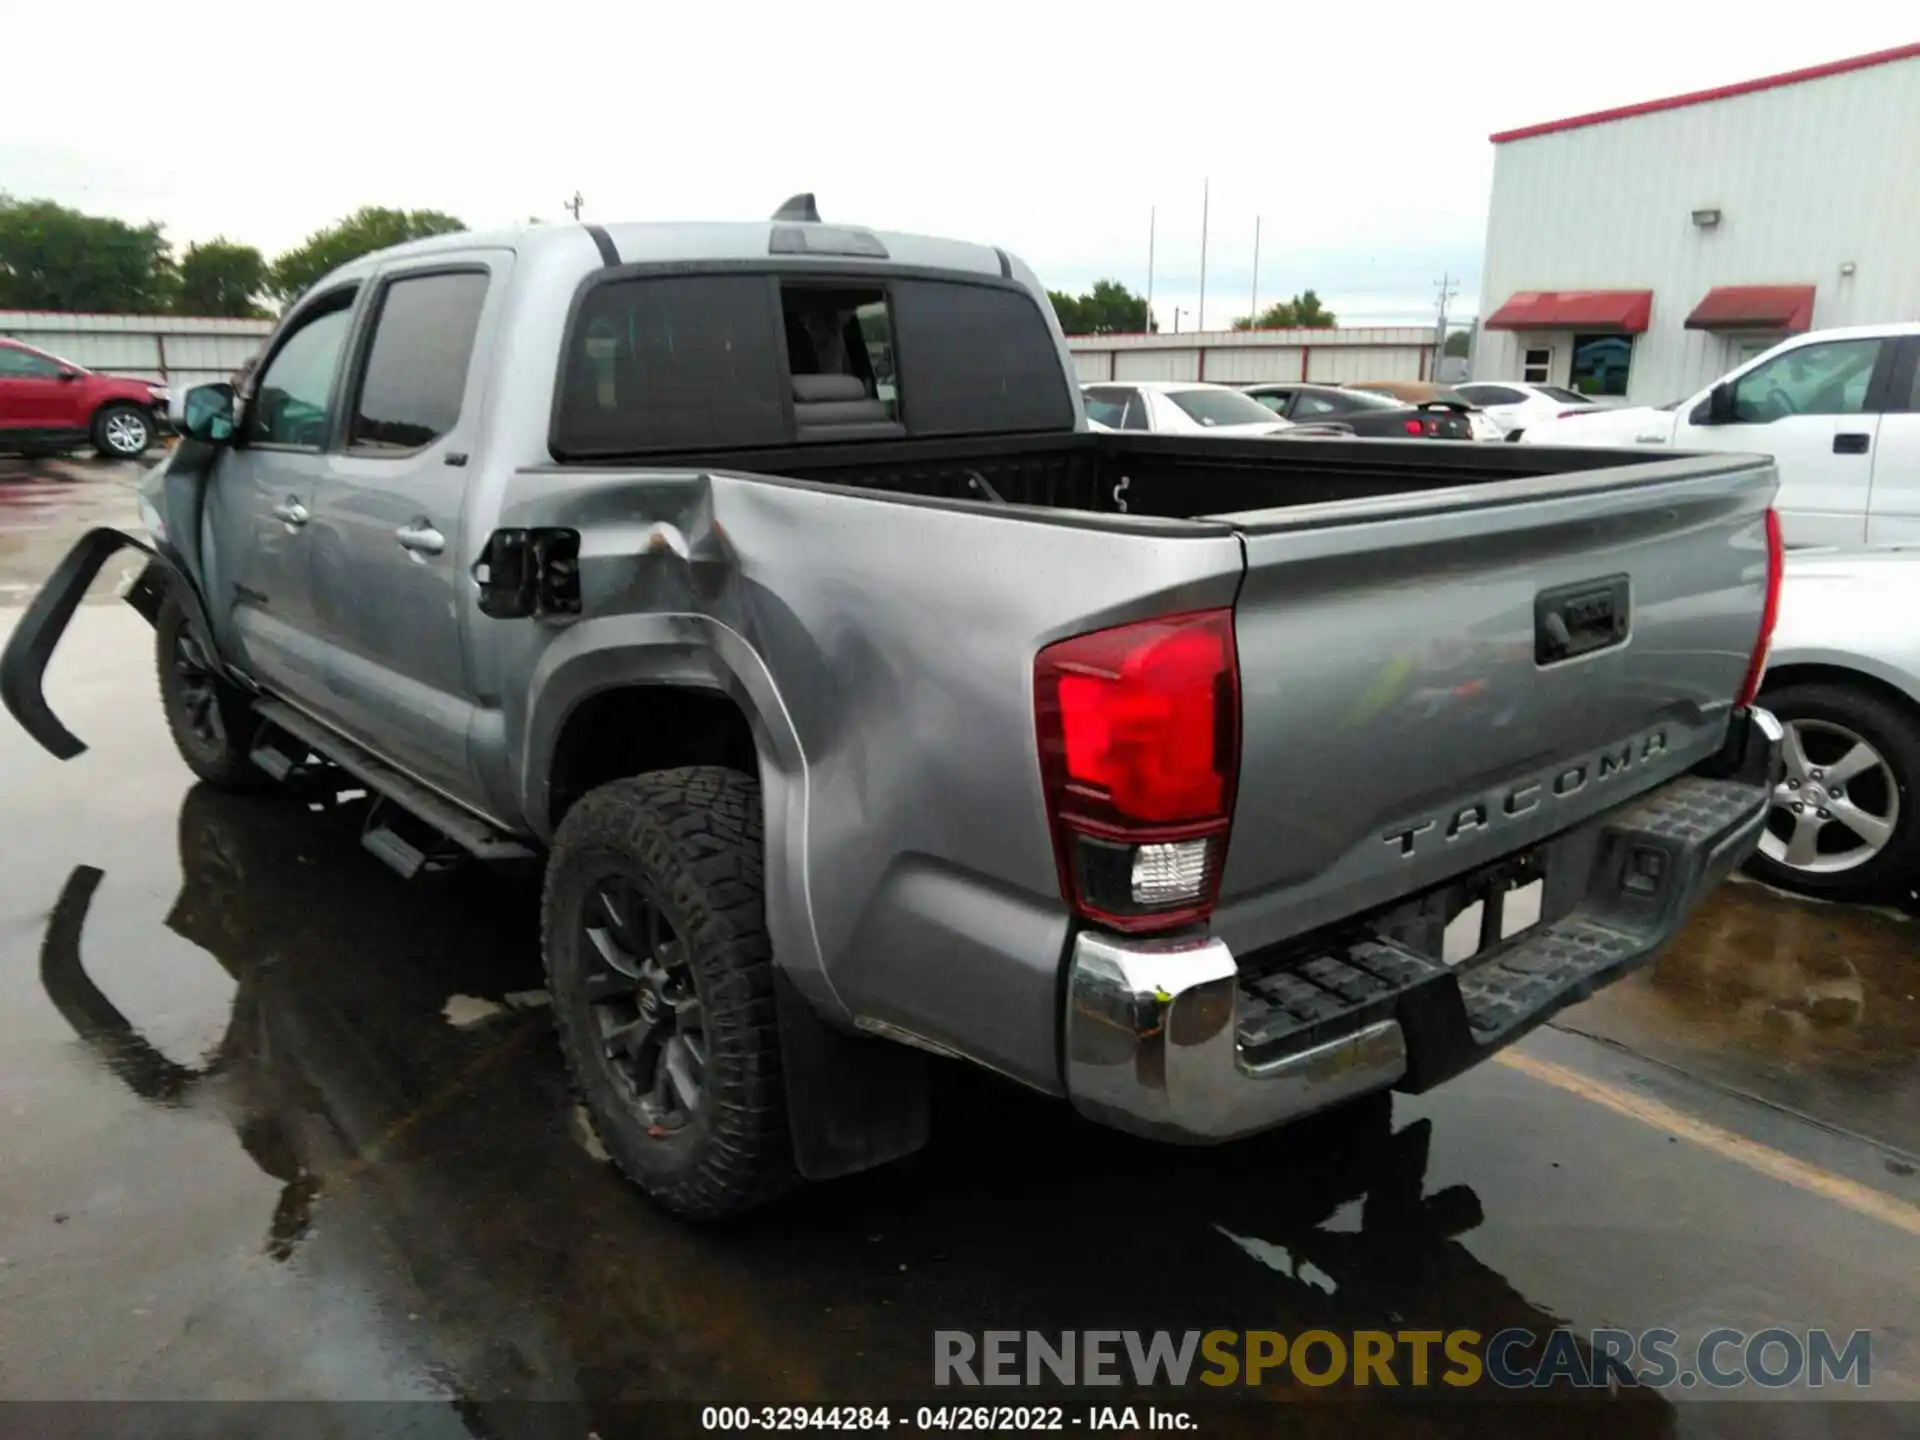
(23, 664)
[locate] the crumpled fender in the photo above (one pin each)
(23, 664)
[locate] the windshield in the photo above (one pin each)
(1221, 407)
(1565, 396)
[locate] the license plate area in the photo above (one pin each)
(1574, 620)
(1465, 920)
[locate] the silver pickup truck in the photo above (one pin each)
(767, 582)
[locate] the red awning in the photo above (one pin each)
(1754, 307)
(1622, 311)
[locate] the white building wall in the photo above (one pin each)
(1807, 177)
(1238, 357)
(1243, 366)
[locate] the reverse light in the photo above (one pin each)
(1138, 730)
(1769, 614)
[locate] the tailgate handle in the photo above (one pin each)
(1579, 619)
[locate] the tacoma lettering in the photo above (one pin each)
(1525, 798)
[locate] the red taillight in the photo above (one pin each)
(1568, 414)
(1414, 428)
(1139, 744)
(1769, 613)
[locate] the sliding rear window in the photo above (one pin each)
(977, 360)
(680, 362)
(683, 362)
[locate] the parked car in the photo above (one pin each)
(1845, 683)
(48, 404)
(1426, 392)
(1839, 412)
(1178, 407)
(1362, 411)
(1513, 406)
(1143, 770)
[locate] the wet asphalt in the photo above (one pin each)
(247, 1155)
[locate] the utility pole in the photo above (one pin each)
(574, 204)
(1200, 316)
(1446, 285)
(1253, 314)
(1150, 218)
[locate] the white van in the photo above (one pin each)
(1839, 411)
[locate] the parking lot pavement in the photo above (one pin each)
(46, 503)
(248, 1155)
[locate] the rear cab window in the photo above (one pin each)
(762, 358)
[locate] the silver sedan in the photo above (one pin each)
(1845, 682)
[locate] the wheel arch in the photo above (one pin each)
(704, 696)
(1900, 691)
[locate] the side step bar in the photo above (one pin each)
(403, 852)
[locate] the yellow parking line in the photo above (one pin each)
(1861, 1199)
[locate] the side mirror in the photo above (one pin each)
(1720, 407)
(66, 374)
(206, 414)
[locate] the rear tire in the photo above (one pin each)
(212, 723)
(661, 972)
(1878, 788)
(122, 431)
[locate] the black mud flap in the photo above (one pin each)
(853, 1102)
(23, 665)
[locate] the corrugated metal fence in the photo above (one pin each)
(178, 351)
(1238, 356)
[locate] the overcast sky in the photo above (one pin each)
(1358, 133)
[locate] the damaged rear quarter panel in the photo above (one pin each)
(882, 650)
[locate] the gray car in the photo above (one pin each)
(767, 581)
(1845, 682)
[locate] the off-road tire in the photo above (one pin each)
(690, 838)
(220, 759)
(1895, 733)
(126, 412)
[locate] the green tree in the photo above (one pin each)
(1107, 309)
(368, 229)
(1303, 312)
(53, 258)
(221, 278)
(1459, 343)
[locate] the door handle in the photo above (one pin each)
(292, 513)
(420, 538)
(1852, 442)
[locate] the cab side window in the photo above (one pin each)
(26, 365)
(291, 399)
(1827, 379)
(416, 368)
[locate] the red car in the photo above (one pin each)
(49, 404)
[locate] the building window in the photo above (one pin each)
(1537, 367)
(1600, 364)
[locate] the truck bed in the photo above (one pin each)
(1174, 477)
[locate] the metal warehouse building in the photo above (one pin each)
(180, 351)
(1643, 252)
(1384, 352)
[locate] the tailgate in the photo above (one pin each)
(1432, 681)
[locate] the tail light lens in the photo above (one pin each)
(1413, 427)
(1566, 414)
(1769, 614)
(1139, 734)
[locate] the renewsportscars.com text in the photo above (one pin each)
(1512, 1359)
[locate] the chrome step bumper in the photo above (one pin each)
(1181, 1040)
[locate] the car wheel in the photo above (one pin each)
(1845, 822)
(211, 722)
(661, 973)
(122, 431)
